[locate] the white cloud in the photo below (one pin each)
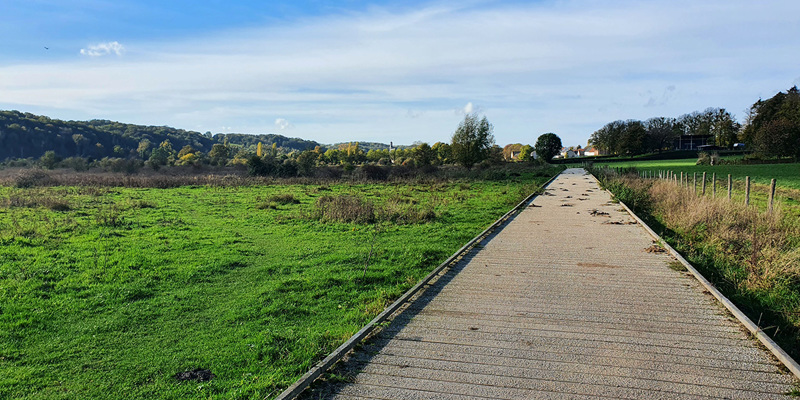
(414, 114)
(283, 124)
(668, 94)
(103, 49)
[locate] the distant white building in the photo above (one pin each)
(594, 151)
(568, 153)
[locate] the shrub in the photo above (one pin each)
(76, 163)
(32, 178)
(256, 166)
(123, 165)
(49, 160)
(344, 208)
(287, 169)
(374, 172)
(328, 173)
(704, 158)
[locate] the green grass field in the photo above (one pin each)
(110, 292)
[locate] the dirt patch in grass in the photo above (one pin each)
(199, 375)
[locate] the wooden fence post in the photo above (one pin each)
(771, 194)
(714, 184)
(704, 183)
(747, 191)
(729, 187)
(694, 183)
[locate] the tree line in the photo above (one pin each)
(134, 147)
(631, 137)
(771, 129)
(25, 135)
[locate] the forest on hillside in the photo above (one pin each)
(25, 135)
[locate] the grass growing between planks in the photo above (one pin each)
(752, 257)
(111, 292)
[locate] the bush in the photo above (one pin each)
(374, 172)
(78, 164)
(49, 159)
(32, 178)
(704, 158)
(287, 169)
(328, 173)
(122, 165)
(256, 166)
(344, 208)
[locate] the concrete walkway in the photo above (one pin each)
(570, 300)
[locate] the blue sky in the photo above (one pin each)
(393, 71)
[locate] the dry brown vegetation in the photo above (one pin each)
(237, 176)
(350, 208)
(765, 242)
(753, 255)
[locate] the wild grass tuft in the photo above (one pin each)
(283, 199)
(344, 208)
(36, 198)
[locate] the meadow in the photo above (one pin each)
(111, 292)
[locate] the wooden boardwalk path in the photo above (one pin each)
(570, 300)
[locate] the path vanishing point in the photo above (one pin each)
(569, 300)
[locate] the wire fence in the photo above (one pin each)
(704, 184)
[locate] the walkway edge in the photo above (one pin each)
(773, 347)
(301, 384)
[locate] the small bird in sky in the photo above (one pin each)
(46, 48)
